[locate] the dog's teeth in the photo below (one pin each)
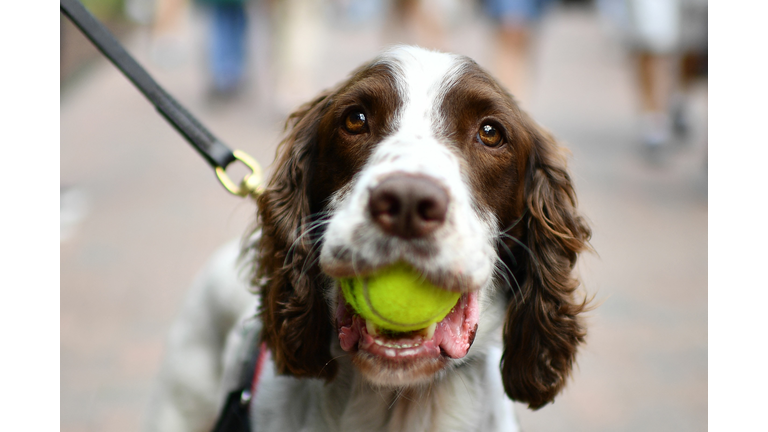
(430, 331)
(391, 344)
(371, 327)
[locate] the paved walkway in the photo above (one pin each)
(143, 212)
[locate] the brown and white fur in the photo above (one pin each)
(419, 157)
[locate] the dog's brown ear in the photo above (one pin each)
(296, 318)
(542, 329)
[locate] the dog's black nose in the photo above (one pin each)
(408, 206)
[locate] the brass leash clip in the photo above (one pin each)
(251, 184)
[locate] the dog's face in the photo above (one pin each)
(421, 157)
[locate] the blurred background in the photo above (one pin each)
(622, 83)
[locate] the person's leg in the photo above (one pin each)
(516, 20)
(227, 50)
(656, 82)
(513, 58)
(655, 24)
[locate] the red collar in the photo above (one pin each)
(263, 354)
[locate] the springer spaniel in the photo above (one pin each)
(420, 157)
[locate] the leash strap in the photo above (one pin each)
(235, 416)
(218, 155)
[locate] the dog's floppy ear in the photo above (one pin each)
(296, 318)
(543, 330)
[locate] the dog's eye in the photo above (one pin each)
(356, 123)
(489, 135)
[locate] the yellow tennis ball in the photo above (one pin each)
(398, 298)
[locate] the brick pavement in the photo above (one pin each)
(154, 212)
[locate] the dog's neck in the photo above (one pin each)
(470, 398)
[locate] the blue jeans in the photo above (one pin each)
(227, 45)
(522, 11)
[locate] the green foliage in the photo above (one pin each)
(105, 9)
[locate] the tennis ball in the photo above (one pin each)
(398, 298)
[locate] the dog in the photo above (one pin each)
(419, 157)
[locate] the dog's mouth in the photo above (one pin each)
(451, 337)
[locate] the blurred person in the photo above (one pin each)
(140, 11)
(168, 45)
(299, 35)
(516, 21)
(655, 25)
(420, 22)
(225, 39)
(661, 35)
(301, 30)
(693, 58)
(226, 45)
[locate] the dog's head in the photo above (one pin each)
(422, 157)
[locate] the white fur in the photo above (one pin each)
(465, 242)
(207, 345)
(187, 392)
(205, 352)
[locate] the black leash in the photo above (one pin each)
(218, 155)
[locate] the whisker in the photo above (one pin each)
(464, 382)
(308, 229)
(511, 273)
(519, 289)
(503, 274)
(352, 260)
(329, 361)
(315, 219)
(523, 246)
(514, 224)
(400, 393)
(317, 215)
(312, 262)
(315, 258)
(509, 252)
(429, 390)
(378, 390)
(397, 396)
(505, 233)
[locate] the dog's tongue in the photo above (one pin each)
(453, 335)
(456, 332)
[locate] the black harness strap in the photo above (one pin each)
(235, 416)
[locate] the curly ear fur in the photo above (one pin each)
(543, 331)
(297, 324)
